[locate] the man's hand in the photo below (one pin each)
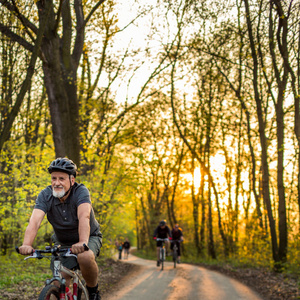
(78, 248)
(26, 250)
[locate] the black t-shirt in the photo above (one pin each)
(176, 235)
(63, 216)
(162, 233)
(126, 245)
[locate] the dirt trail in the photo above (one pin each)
(186, 282)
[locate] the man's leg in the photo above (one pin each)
(167, 247)
(158, 255)
(88, 267)
(172, 246)
(179, 252)
(68, 279)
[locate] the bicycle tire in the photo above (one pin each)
(162, 258)
(49, 292)
(175, 255)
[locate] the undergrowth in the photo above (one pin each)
(15, 270)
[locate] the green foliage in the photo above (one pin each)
(22, 175)
(14, 270)
(293, 257)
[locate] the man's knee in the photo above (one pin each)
(86, 257)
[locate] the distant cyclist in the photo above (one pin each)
(177, 237)
(162, 231)
(120, 249)
(126, 247)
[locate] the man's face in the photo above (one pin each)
(60, 183)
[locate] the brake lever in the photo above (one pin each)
(34, 255)
(69, 253)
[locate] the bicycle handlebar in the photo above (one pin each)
(38, 253)
(179, 241)
(161, 240)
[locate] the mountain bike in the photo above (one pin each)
(59, 291)
(162, 251)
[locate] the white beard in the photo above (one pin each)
(58, 194)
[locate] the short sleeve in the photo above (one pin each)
(82, 195)
(40, 202)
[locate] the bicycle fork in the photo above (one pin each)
(64, 292)
(162, 253)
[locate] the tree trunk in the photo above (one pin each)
(195, 200)
(203, 213)
(282, 32)
(5, 133)
(211, 244)
(60, 68)
(263, 139)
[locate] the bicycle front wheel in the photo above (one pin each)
(175, 256)
(49, 292)
(162, 258)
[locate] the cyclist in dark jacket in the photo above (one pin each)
(126, 247)
(162, 231)
(177, 237)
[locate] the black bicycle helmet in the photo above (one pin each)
(162, 223)
(63, 165)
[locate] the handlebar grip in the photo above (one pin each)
(17, 249)
(86, 247)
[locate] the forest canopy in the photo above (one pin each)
(180, 110)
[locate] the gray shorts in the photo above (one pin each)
(95, 243)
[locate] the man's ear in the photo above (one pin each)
(72, 180)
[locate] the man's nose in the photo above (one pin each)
(56, 182)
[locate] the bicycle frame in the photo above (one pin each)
(57, 276)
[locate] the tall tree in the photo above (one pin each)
(60, 51)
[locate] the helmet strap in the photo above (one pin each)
(66, 193)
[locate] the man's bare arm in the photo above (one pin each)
(31, 231)
(83, 212)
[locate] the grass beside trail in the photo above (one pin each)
(15, 270)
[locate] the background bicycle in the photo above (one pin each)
(55, 287)
(175, 249)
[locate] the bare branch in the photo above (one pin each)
(13, 8)
(92, 11)
(14, 37)
(80, 26)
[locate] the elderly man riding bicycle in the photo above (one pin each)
(69, 210)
